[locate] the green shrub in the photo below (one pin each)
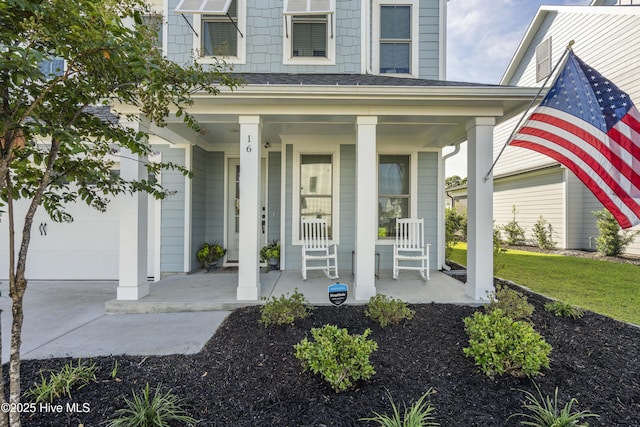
(498, 251)
(455, 229)
(543, 233)
(340, 358)
(417, 415)
(611, 241)
(163, 409)
(62, 382)
(544, 412)
(512, 303)
(285, 310)
(501, 345)
(563, 309)
(513, 230)
(387, 311)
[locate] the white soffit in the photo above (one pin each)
(309, 7)
(208, 7)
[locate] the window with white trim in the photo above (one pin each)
(394, 193)
(316, 187)
(219, 28)
(395, 41)
(543, 60)
(309, 32)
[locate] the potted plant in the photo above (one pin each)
(210, 253)
(271, 253)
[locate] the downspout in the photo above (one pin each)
(455, 151)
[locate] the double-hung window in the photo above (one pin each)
(219, 27)
(219, 34)
(393, 192)
(309, 32)
(395, 36)
(309, 36)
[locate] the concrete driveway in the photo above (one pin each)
(68, 319)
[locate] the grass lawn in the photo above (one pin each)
(608, 288)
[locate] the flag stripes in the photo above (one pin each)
(591, 155)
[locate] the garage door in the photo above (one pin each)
(86, 249)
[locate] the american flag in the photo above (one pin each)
(589, 125)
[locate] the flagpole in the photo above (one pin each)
(517, 126)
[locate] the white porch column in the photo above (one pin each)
(480, 208)
(133, 232)
(366, 207)
(249, 245)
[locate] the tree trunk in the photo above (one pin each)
(3, 415)
(18, 283)
(14, 358)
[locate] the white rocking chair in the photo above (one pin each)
(317, 248)
(409, 247)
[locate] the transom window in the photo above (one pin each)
(393, 192)
(316, 187)
(395, 39)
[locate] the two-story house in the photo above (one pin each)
(343, 115)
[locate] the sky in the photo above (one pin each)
(482, 37)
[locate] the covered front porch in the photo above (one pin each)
(217, 291)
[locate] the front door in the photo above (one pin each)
(233, 207)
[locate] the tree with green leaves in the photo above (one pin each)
(53, 148)
(454, 181)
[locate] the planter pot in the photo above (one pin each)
(273, 263)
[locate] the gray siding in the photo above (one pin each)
(264, 38)
(198, 202)
(429, 50)
(215, 197)
(293, 257)
(428, 207)
(172, 213)
(347, 206)
(274, 193)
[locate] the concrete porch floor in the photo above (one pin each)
(216, 290)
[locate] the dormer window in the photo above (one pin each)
(309, 32)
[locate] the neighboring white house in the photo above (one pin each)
(605, 38)
(343, 115)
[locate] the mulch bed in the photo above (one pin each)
(247, 375)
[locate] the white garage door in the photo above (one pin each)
(86, 249)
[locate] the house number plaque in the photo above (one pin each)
(337, 293)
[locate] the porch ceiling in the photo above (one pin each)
(427, 116)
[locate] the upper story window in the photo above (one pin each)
(219, 28)
(395, 30)
(309, 36)
(219, 34)
(154, 22)
(52, 68)
(309, 32)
